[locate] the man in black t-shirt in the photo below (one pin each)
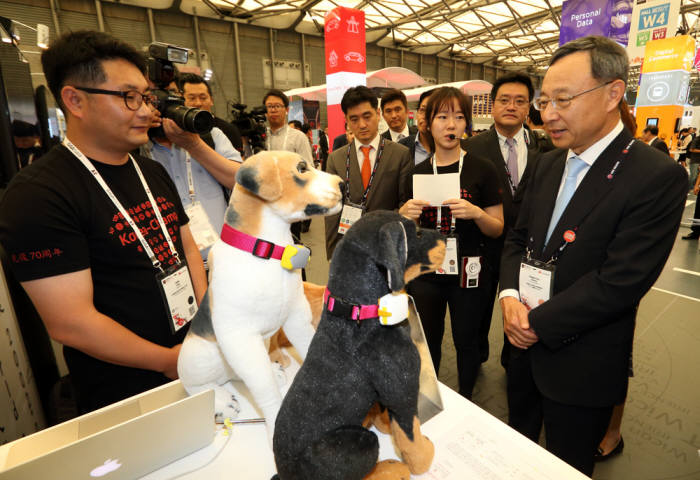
(72, 247)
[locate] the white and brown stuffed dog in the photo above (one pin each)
(255, 283)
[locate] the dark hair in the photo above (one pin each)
(279, 94)
(608, 59)
(354, 96)
(77, 57)
(305, 128)
(444, 96)
(297, 124)
(184, 78)
(683, 130)
(653, 130)
(393, 95)
(425, 94)
(514, 77)
(535, 116)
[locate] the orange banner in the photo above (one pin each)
(675, 53)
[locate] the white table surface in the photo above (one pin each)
(469, 443)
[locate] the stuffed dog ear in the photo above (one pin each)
(260, 175)
(393, 251)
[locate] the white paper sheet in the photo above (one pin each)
(435, 189)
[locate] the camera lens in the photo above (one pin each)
(190, 119)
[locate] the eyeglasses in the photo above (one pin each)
(421, 110)
(505, 101)
(132, 99)
(562, 101)
(274, 106)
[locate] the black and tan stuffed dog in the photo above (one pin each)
(360, 356)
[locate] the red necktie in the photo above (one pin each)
(366, 168)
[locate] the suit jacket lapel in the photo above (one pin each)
(532, 155)
(384, 163)
(547, 195)
(592, 189)
(494, 153)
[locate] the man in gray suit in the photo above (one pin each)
(376, 170)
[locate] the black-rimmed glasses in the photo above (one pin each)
(132, 99)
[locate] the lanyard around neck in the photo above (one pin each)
(567, 240)
(433, 162)
(91, 168)
(380, 151)
(284, 142)
(190, 178)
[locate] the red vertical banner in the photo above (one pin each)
(346, 61)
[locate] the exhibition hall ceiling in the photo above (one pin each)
(508, 33)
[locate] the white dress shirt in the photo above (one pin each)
(395, 135)
(372, 153)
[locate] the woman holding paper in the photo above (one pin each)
(457, 193)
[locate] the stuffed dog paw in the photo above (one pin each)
(361, 355)
(255, 285)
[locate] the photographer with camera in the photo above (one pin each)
(198, 169)
(197, 93)
(92, 232)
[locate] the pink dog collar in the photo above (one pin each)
(355, 312)
(257, 246)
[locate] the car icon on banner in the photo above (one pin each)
(354, 57)
(333, 24)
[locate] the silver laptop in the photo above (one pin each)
(122, 441)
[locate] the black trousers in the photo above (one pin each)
(696, 228)
(485, 324)
(572, 432)
(466, 311)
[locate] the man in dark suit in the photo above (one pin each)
(511, 146)
(418, 144)
(323, 147)
(602, 211)
(651, 137)
(342, 139)
(376, 170)
(395, 112)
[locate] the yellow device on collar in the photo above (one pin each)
(393, 308)
(295, 256)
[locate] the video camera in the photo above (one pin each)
(161, 72)
(251, 124)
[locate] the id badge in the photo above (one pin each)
(350, 214)
(471, 268)
(450, 265)
(536, 282)
(176, 288)
(200, 226)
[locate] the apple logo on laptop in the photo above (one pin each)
(107, 467)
